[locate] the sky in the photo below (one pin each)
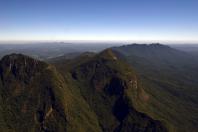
(99, 20)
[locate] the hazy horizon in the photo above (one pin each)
(98, 42)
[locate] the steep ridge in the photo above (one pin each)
(109, 86)
(169, 77)
(34, 97)
(28, 96)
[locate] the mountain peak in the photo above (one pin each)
(14, 56)
(108, 54)
(18, 59)
(110, 87)
(152, 45)
(30, 94)
(20, 66)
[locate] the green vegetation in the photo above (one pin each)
(105, 82)
(88, 93)
(169, 77)
(155, 92)
(34, 97)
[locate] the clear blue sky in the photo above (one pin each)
(128, 20)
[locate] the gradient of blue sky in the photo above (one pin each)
(143, 20)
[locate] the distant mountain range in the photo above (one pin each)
(49, 50)
(138, 88)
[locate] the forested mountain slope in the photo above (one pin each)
(92, 92)
(170, 77)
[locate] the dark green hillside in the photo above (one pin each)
(94, 92)
(28, 96)
(170, 77)
(34, 97)
(155, 92)
(109, 86)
